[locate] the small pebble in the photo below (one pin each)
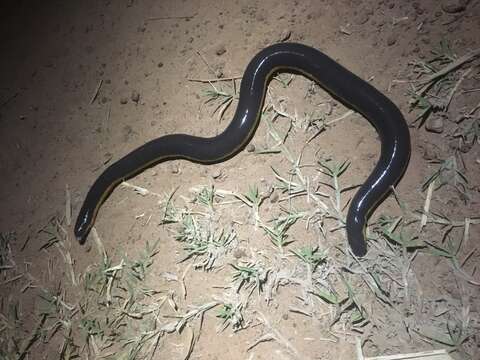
(174, 169)
(160, 64)
(434, 124)
(454, 6)
(274, 197)
(391, 40)
(123, 100)
(250, 148)
(285, 35)
(135, 96)
(220, 49)
(107, 157)
(216, 173)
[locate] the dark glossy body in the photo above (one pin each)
(339, 82)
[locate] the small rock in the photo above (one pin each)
(160, 64)
(135, 96)
(285, 35)
(220, 49)
(107, 157)
(434, 124)
(391, 40)
(250, 148)
(123, 100)
(216, 173)
(454, 6)
(174, 169)
(218, 68)
(274, 197)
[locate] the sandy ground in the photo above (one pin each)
(83, 83)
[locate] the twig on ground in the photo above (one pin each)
(97, 90)
(450, 67)
(207, 64)
(187, 17)
(215, 79)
